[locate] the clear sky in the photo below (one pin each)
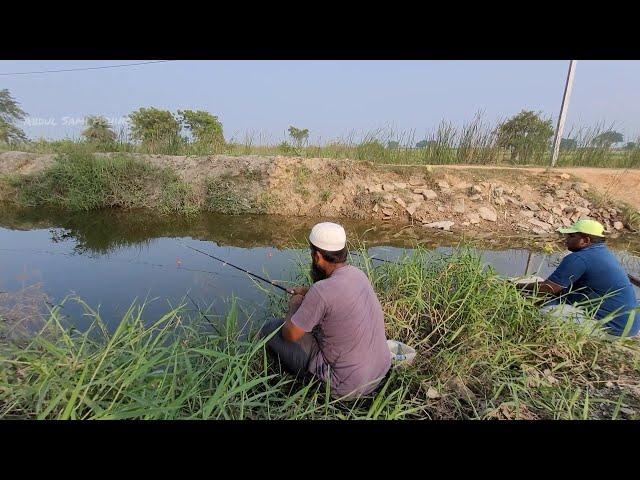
(330, 98)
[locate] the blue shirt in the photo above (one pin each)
(590, 274)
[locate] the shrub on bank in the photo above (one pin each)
(80, 180)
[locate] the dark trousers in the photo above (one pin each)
(293, 356)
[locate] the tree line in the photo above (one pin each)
(524, 135)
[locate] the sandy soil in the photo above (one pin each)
(621, 185)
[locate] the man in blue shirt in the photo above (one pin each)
(592, 276)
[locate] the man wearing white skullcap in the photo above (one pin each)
(334, 330)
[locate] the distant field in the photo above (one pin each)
(369, 151)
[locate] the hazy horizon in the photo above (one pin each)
(332, 99)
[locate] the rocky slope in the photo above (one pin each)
(456, 198)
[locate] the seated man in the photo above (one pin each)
(334, 331)
(592, 272)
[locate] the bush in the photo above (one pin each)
(226, 196)
(82, 181)
(285, 148)
(370, 149)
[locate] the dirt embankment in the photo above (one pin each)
(466, 198)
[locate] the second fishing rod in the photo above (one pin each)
(224, 262)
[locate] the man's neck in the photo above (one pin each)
(333, 267)
(591, 245)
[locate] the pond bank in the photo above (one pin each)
(459, 199)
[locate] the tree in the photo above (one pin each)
(98, 130)
(630, 146)
(568, 144)
(298, 135)
(425, 143)
(10, 112)
(608, 138)
(150, 125)
(525, 135)
(204, 127)
(393, 145)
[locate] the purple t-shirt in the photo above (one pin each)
(346, 317)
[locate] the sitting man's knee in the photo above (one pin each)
(270, 326)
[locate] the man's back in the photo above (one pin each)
(594, 272)
(347, 320)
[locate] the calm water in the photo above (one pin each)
(111, 259)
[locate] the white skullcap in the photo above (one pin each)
(328, 236)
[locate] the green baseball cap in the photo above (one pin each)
(590, 227)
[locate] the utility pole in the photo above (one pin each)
(563, 112)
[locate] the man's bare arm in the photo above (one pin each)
(542, 287)
(291, 332)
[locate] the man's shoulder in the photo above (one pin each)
(347, 270)
(351, 272)
(597, 251)
(572, 263)
(317, 293)
(573, 256)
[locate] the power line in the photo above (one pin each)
(87, 68)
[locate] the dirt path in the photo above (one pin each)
(617, 184)
(622, 185)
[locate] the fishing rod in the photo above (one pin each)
(373, 258)
(634, 280)
(224, 262)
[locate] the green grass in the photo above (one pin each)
(226, 195)
(302, 173)
(171, 369)
(484, 352)
(631, 217)
(325, 195)
(178, 197)
(480, 338)
(80, 180)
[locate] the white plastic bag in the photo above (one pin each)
(401, 354)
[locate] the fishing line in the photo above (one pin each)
(374, 258)
(122, 260)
